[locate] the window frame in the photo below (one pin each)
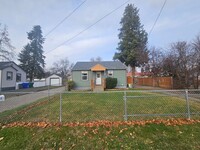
(110, 72)
(11, 75)
(84, 74)
(20, 75)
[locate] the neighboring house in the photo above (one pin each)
(54, 80)
(10, 74)
(91, 75)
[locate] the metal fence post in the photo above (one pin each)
(60, 108)
(48, 93)
(125, 106)
(187, 104)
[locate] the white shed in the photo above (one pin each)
(54, 80)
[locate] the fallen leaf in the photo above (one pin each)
(1, 138)
(107, 132)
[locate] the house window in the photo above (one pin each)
(110, 73)
(18, 77)
(84, 75)
(9, 75)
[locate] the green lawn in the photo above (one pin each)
(100, 106)
(123, 137)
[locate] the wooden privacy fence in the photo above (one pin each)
(129, 80)
(162, 82)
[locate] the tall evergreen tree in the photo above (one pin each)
(31, 57)
(132, 47)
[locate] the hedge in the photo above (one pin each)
(111, 83)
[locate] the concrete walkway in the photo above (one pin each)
(17, 101)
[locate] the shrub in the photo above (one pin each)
(111, 83)
(70, 85)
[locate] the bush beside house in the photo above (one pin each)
(70, 85)
(111, 83)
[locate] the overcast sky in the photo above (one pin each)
(180, 20)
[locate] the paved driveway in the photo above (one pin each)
(17, 101)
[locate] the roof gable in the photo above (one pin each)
(110, 65)
(54, 75)
(12, 64)
(98, 67)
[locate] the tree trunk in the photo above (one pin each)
(193, 82)
(133, 71)
(31, 77)
(133, 76)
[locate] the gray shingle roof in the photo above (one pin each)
(4, 65)
(112, 65)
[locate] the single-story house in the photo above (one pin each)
(91, 75)
(10, 74)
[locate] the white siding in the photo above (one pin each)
(19, 70)
(39, 83)
(54, 80)
(8, 83)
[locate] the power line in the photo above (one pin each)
(89, 26)
(65, 18)
(158, 17)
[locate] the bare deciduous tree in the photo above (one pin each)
(6, 49)
(62, 67)
(155, 61)
(196, 61)
(96, 59)
(178, 63)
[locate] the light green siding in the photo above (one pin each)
(85, 84)
(79, 83)
(121, 77)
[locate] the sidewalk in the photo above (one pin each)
(17, 101)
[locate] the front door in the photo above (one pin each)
(98, 78)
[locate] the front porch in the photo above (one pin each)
(98, 81)
(98, 88)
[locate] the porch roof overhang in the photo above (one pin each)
(98, 67)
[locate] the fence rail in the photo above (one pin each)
(56, 106)
(181, 102)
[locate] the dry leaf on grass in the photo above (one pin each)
(1, 138)
(104, 123)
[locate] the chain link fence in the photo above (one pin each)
(89, 106)
(161, 103)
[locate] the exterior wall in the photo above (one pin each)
(79, 83)
(121, 78)
(8, 84)
(23, 74)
